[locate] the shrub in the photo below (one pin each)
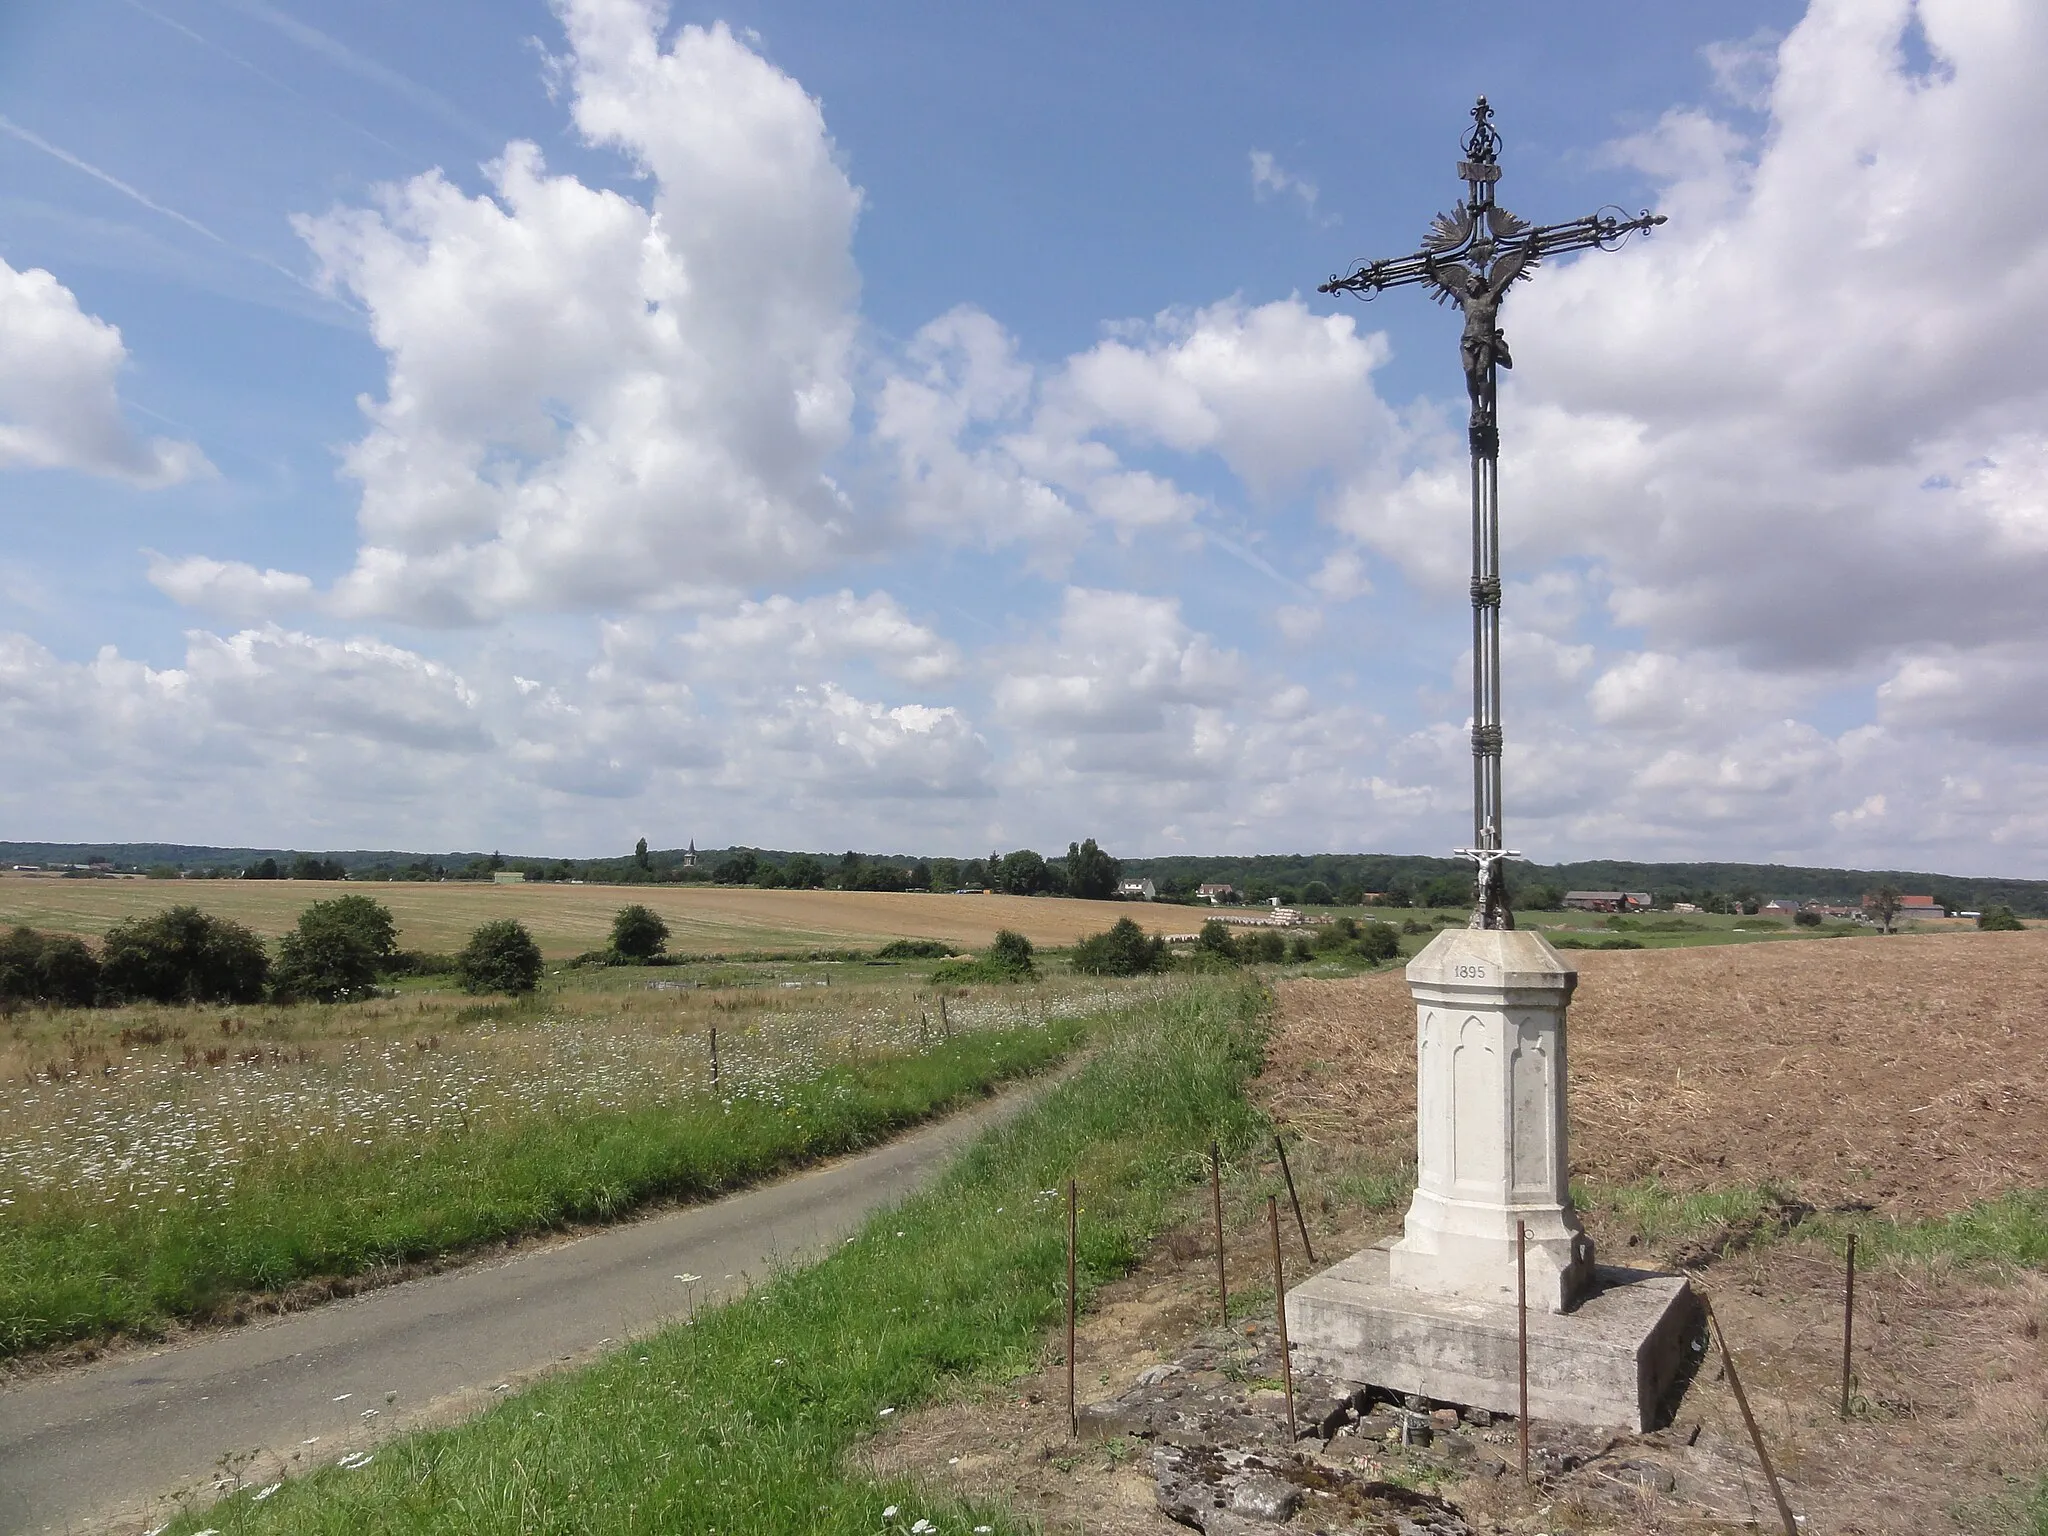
(1124, 950)
(1012, 951)
(499, 957)
(419, 962)
(1379, 943)
(1999, 920)
(47, 968)
(1264, 946)
(364, 916)
(915, 949)
(1300, 948)
(1215, 943)
(1317, 894)
(1806, 919)
(182, 955)
(638, 933)
(1007, 959)
(323, 963)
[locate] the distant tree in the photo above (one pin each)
(1091, 873)
(182, 955)
(1806, 917)
(1882, 905)
(638, 933)
(1351, 896)
(1124, 950)
(364, 916)
(640, 857)
(1400, 893)
(307, 867)
(499, 957)
(265, 869)
(1540, 898)
(803, 873)
(974, 876)
(1317, 894)
(1448, 891)
(736, 868)
(769, 877)
(920, 877)
(1023, 873)
(1999, 920)
(946, 874)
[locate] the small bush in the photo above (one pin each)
(1264, 946)
(1999, 920)
(1124, 950)
(323, 964)
(1299, 948)
(1379, 943)
(1215, 943)
(499, 957)
(181, 955)
(915, 949)
(47, 968)
(638, 933)
(1007, 959)
(1806, 919)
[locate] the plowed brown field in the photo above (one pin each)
(1909, 1073)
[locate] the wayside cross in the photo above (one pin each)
(1471, 257)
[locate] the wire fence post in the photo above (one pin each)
(1749, 1420)
(1280, 1311)
(1073, 1413)
(1216, 1205)
(714, 1055)
(1293, 1199)
(945, 1024)
(1522, 1340)
(1848, 1322)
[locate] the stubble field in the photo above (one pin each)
(569, 919)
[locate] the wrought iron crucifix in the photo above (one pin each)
(1471, 257)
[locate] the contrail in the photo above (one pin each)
(338, 52)
(8, 125)
(262, 74)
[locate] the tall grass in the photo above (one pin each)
(740, 1421)
(68, 1274)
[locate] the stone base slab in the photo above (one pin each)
(1608, 1363)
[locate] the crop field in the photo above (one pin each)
(569, 919)
(124, 1131)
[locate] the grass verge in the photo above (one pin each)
(67, 1275)
(2009, 1231)
(739, 1421)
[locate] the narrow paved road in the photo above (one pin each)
(111, 1445)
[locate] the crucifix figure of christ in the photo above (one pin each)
(1471, 257)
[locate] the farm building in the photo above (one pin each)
(1607, 901)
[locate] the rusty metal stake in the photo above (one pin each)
(1280, 1310)
(1749, 1419)
(1073, 1414)
(1522, 1339)
(1293, 1199)
(1848, 1322)
(714, 1055)
(1216, 1204)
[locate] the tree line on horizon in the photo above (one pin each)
(1088, 870)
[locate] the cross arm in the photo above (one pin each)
(1596, 231)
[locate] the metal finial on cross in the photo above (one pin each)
(1471, 257)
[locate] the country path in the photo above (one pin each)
(109, 1446)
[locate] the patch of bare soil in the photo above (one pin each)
(1903, 1074)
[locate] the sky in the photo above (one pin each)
(916, 427)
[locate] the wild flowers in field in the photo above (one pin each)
(158, 1119)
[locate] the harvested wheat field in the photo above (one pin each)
(568, 919)
(1906, 1074)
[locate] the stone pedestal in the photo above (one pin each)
(1490, 1123)
(1434, 1311)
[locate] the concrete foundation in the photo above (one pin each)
(1607, 1363)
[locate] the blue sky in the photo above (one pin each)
(918, 428)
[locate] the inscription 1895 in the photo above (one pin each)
(1470, 971)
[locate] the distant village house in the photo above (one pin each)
(1216, 895)
(1136, 890)
(1607, 901)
